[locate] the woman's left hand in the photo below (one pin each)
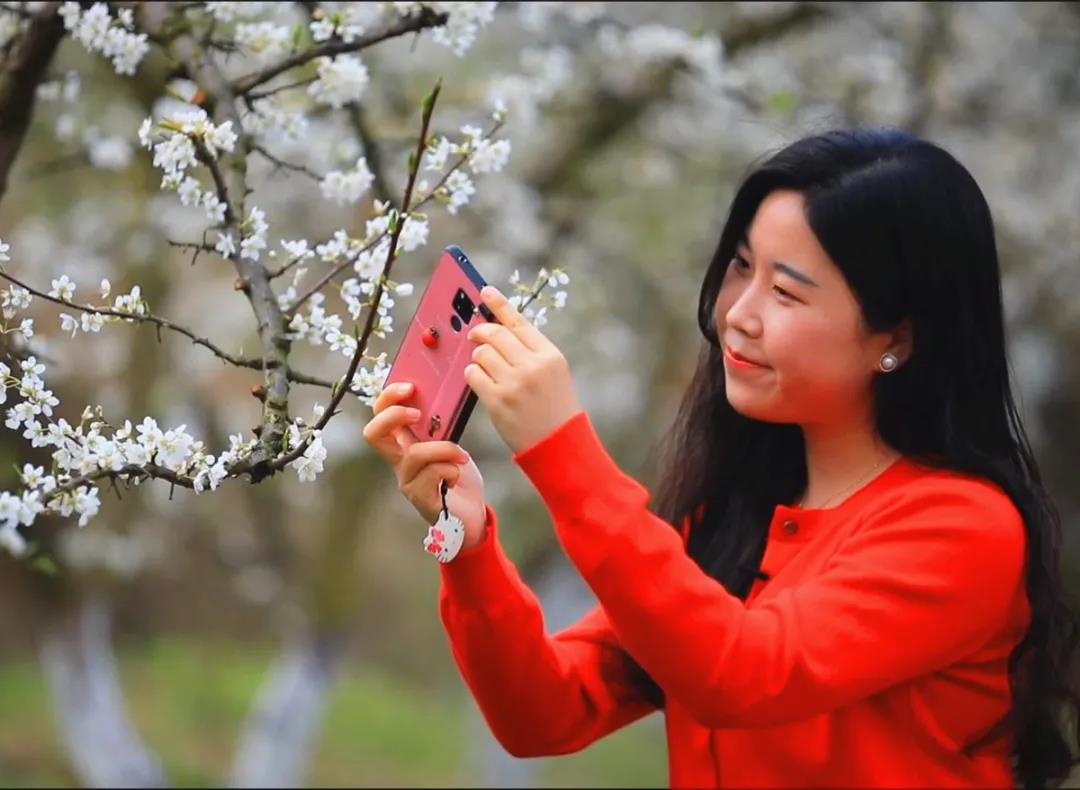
(519, 375)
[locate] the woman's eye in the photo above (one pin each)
(780, 291)
(740, 262)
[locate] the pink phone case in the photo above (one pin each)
(435, 350)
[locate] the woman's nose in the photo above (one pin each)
(742, 314)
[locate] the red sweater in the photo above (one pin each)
(872, 656)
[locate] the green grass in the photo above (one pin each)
(188, 700)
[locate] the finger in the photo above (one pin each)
(493, 363)
(480, 382)
(425, 486)
(423, 454)
(394, 393)
(506, 343)
(508, 316)
(388, 433)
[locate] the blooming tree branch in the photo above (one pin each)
(424, 18)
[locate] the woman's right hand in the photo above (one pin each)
(420, 467)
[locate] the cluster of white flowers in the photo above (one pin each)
(482, 155)
(315, 325)
(544, 72)
(536, 311)
(539, 17)
(341, 80)
(371, 381)
(254, 234)
(87, 448)
(347, 186)
(347, 23)
(271, 121)
(228, 11)
(265, 40)
(99, 32)
(310, 464)
(67, 89)
(173, 141)
(132, 302)
(464, 21)
(647, 44)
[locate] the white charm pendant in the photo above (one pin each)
(445, 536)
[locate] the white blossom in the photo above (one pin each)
(489, 157)
(86, 503)
(341, 80)
(297, 249)
(266, 40)
(459, 188)
(63, 288)
(347, 186)
(228, 11)
(255, 234)
(310, 464)
(225, 245)
(436, 154)
(92, 322)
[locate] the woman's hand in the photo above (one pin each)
(519, 375)
(420, 467)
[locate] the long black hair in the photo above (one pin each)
(912, 234)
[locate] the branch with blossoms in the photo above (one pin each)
(414, 23)
(185, 143)
(129, 308)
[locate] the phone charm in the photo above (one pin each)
(445, 536)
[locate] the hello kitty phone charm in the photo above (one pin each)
(447, 534)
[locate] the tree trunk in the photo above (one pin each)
(277, 740)
(80, 669)
(20, 73)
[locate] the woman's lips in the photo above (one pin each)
(737, 362)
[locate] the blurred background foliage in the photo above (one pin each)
(622, 176)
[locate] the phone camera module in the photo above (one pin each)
(463, 306)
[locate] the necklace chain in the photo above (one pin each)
(844, 491)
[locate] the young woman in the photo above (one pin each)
(849, 575)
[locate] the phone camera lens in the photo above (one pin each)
(463, 306)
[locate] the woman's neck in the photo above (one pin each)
(839, 459)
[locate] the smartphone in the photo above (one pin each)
(435, 350)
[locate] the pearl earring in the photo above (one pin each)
(888, 362)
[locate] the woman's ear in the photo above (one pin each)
(903, 341)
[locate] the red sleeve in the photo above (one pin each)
(926, 580)
(540, 694)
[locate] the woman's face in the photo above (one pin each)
(784, 304)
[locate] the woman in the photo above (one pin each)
(849, 576)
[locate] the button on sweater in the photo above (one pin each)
(874, 653)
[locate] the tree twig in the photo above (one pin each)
(425, 18)
(282, 164)
(145, 317)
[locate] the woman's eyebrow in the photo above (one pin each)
(787, 269)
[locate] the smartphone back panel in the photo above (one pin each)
(434, 351)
